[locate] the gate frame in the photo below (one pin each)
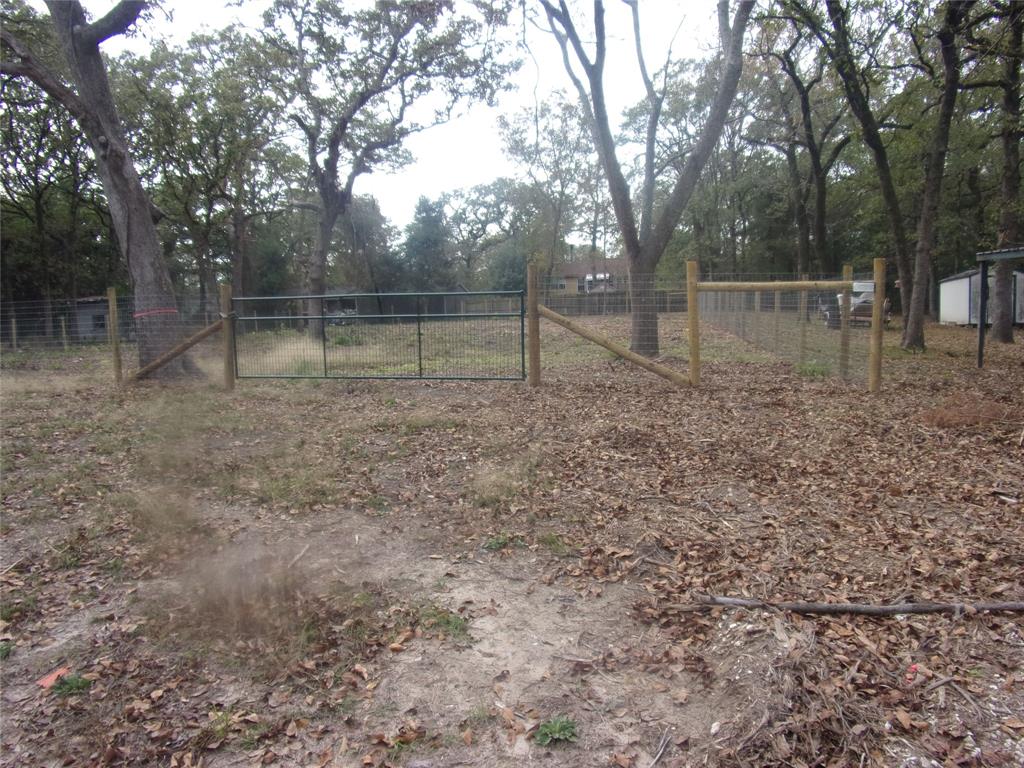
(419, 315)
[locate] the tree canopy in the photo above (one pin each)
(811, 134)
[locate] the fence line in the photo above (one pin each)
(825, 326)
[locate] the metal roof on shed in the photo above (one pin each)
(971, 273)
(1003, 254)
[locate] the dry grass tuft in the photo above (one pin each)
(961, 411)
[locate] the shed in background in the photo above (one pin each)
(960, 298)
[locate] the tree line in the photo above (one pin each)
(817, 133)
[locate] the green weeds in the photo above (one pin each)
(71, 685)
(556, 730)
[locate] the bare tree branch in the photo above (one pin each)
(28, 66)
(116, 22)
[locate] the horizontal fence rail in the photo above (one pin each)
(465, 335)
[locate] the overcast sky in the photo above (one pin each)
(468, 150)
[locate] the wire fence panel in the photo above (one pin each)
(34, 330)
(805, 328)
(381, 336)
(757, 326)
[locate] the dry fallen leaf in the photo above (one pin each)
(48, 681)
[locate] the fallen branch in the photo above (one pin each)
(706, 602)
(662, 746)
(298, 557)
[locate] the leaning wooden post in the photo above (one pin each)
(877, 326)
(64, 333)
(114, 333)
(802, 319)
(228, 336)
(14, 332)
(693, 319)
(844, 326)
(532, 325)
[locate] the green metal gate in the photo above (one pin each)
(465, 335)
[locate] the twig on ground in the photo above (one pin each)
(294, 560)
(938, 684)
(709, 601)
(12, 566)
(662, 746)
(591, 662)
(967, 697)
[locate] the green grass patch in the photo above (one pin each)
(557, 730)
(18, 608)
(441, 620)
(553, 542)
(345, 338)
(71, 685)
(6, 649)
(502, 541)
(812, 369)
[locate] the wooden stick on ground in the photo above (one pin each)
(863, 609)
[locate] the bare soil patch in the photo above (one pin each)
(421, 574)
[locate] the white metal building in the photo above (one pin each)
(959, 297)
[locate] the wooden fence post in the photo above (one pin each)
(693, 319)
(877, 326)
(533, 325)
(756, 330)
(114, 333)
(228, 336)
(802, 319)
(778, 314)
(64, 332)
(844, 326)
(14, 332)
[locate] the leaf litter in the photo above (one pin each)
(250, 585)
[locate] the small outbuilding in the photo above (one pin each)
(960, 298)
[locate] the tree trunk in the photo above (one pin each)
(156, 313)
(859, 105)
(643, 309)
(1009, 212)
(803, 232)
(821, 249)
(239, 249)
(913, 329)
(44, 261)
(316, 274)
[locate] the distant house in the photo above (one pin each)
(590, 276)
(959, 298)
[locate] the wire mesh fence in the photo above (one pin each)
(402, 336)
(32, 331)
(804, 328)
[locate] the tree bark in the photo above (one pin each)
(643, 309)
(645, 244)
(843, 60)
(800, 217)
(92, 105)
(316, 275)
(1009, 211)
(913, 319)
